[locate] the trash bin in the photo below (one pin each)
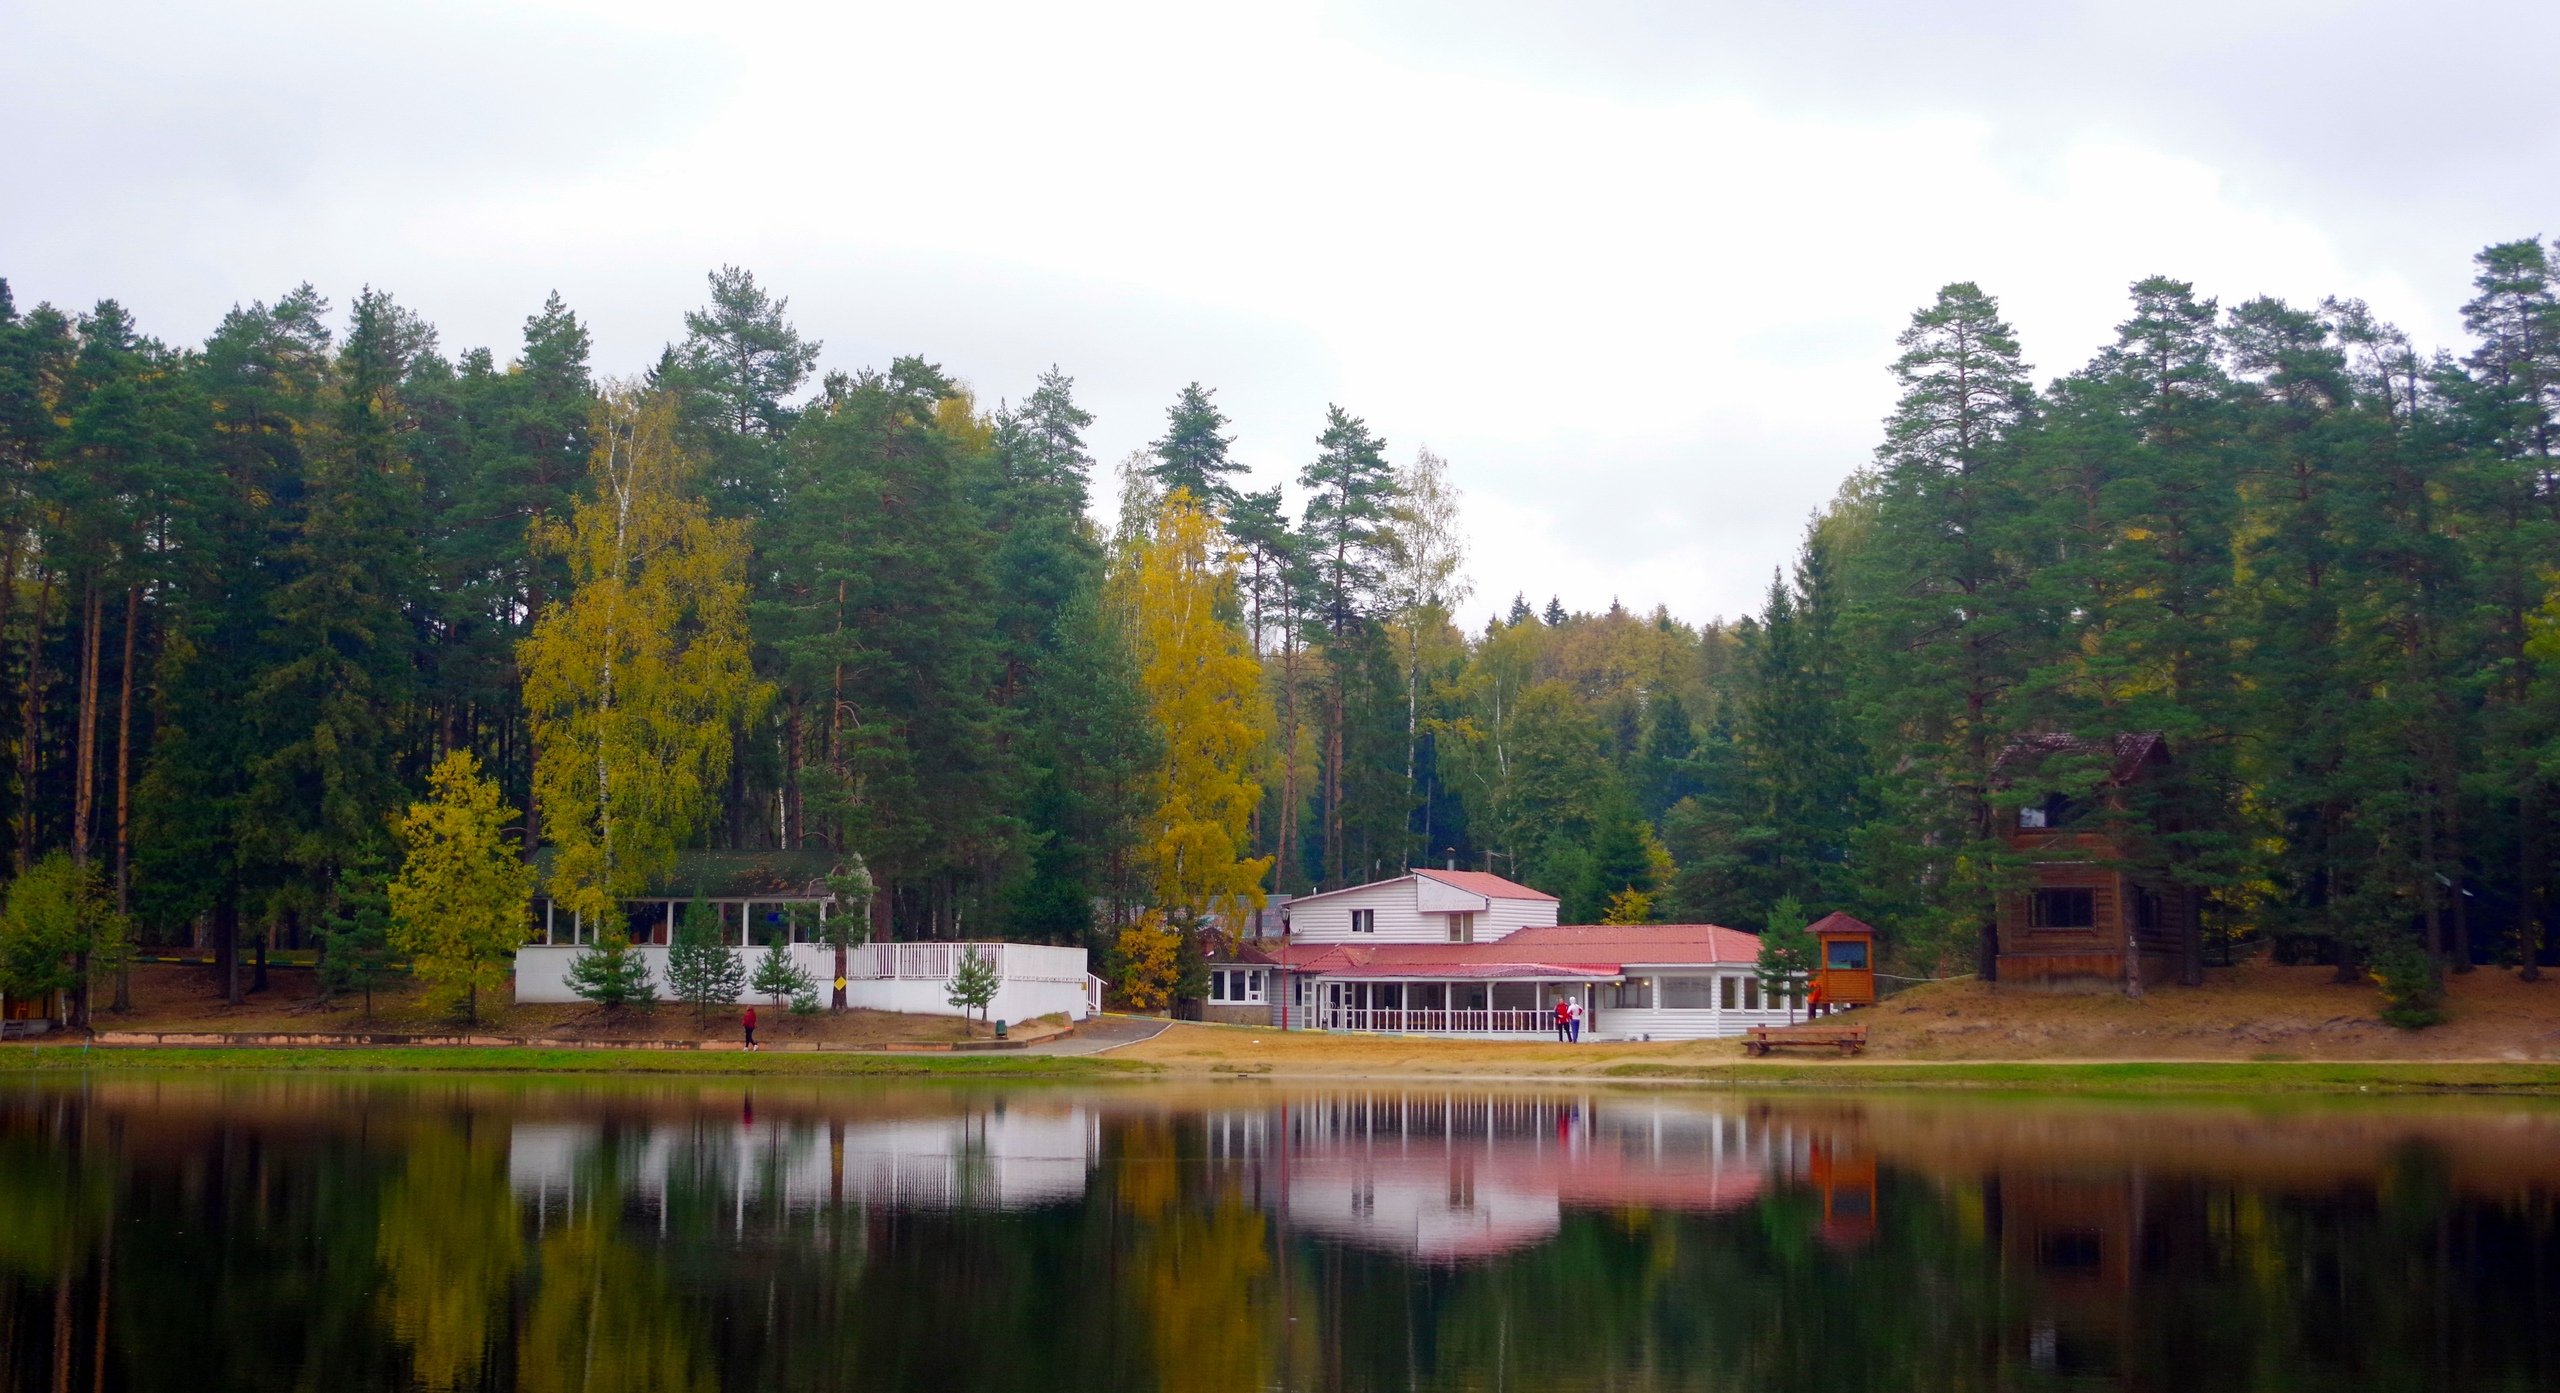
(999, 1030)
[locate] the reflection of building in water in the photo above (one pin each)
(993, 1158)
(2077, 1239)
(1452, 1177)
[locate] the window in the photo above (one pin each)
(1750, 993)
(2063, 909)
(1688, 993)
(2146, 909)
(1631, 994)
(1236, 986)
(1462, 927)
(1731, 985)
(2050, 812)
(1848, 957)
(1364, 921)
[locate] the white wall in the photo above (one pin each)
(542, 976)
(1405, 914)
(1507, 917)
(1327, 919)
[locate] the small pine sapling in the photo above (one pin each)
(974, 982)
(1786, 953)
(701, 971)
(355, 938)
(777, 976)
(611, 973)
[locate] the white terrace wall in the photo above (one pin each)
(915, 978)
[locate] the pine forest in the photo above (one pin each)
(260, 592)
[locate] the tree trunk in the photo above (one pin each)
(226, 943)
(30, 713)
(124, 785)
(2528, 897)
(84, 769)
(258, 979)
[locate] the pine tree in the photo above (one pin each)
(974, 982)
(1351, 495)
(777, 976)
(1944, 600)
(355, 937)
(1192, 454)
(343, 662)
(701, 970)
(612, 973)
(1787, 954)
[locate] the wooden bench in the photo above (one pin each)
(1760, 1039)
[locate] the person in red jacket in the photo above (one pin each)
(750, 1023)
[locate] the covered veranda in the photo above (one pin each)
(1485, 999)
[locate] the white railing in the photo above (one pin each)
(935, 962)
(1094, 987)
(1507, 1020)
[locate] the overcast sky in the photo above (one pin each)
(1633, 266)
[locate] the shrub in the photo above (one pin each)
(2412, 985)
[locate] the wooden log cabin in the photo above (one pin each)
(2086, 919)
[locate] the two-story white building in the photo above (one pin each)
(1450, 952)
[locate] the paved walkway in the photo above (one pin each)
(1103, 1033)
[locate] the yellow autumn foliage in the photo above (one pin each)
(634, 683)
(1176, 589)
(451, 1244)
(463, 899)
(1150, 954)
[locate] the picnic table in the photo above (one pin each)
(1848, 1040)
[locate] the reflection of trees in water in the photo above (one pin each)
(604, 1316)
(450, 1246)
(683, 1249)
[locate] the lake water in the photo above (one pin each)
(299, 1233)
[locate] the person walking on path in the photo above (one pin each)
(1564, 1020)
(750, 1022)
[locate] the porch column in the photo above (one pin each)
(667, 932)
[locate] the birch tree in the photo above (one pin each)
(634, 682)
(1178, 589)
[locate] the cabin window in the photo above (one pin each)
(1750, 993)
(1730, 997)
(1364, 921)
(2053, 811)
(1848, 957)
(1688, 993)
(2063, 909)
(1630, 994)
(1462, 927)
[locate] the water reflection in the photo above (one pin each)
(439, 1236)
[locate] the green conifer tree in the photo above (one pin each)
(702, 971)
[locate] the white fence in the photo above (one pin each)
(935, 962)
(1033, 979)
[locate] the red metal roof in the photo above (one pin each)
(1840, 922)
(1485, 883)
(1580, 950)
(1635, 943)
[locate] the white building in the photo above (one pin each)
(1469, 953)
